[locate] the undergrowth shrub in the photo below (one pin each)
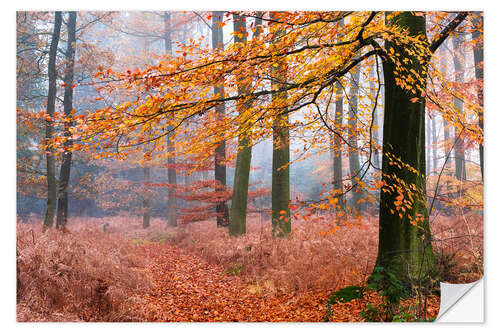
(303, 261)
(95, 271)
(458, 243)
(309, 259)
(84, 274)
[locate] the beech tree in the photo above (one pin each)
(62, 198)
(405, 238)
(238, 212)
(51, 102)
(338, 183)
(354, 166)
(280, 194)
(172, 173)
(220, 152)
(458, 62)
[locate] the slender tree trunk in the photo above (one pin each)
(62, 200)
(220, 152)
(281, 224)
(446, 135)
(338, 185)
(403, 248)
(172, 173)
(479, 69)
(332, 146)
(376, 139)
(428, 145)
(446, 131)
(458, 59)
(433, 144)
(376, 153)
(146, 199)
(353, 141)
(238, 212)
(51, 102)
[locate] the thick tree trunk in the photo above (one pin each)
(62, 201)
(172, 173)
(403, 248)
(479, 69)
(51, 102)
(238, 212)
(220, 152)
(458, 59)
(353, 142)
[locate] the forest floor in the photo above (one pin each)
(122, 272)
(188, 288)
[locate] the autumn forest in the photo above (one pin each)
(247, 165)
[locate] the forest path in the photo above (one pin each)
(188, 288)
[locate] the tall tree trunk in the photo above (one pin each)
(403, 248)
(338, 186)
(458, 59)
(238, 212)
(51, 104)
(220, 152)
(146, 199)
(353, 141)
(479, 69)
(62, 201)
(280, 195)
(172, 173)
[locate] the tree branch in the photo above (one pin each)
(441, 37)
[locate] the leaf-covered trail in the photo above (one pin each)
(187, 288)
